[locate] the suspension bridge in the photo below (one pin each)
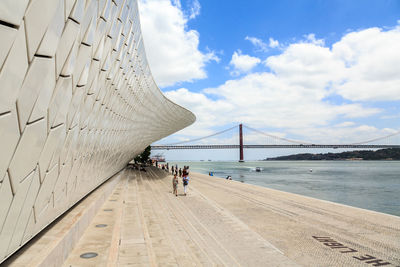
(277, 142)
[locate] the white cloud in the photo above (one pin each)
(308, 65)
(294, 94)
(372, 60)
(262, 100)
(273, 43)
(172, 49)
(343, 135)
(310, 38)
(362, 66)
(345, 124)
(258, 43)
(194, 9)
(261, 45)
(242, 63)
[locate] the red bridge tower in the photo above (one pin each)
(241, 143)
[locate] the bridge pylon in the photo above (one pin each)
(241, 158)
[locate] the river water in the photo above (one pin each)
(373, 185)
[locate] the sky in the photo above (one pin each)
(319, 71)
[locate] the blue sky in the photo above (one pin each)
(223, 25)
(321, 71)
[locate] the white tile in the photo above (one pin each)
(55, 159)
(78, 11)
(39, 75)
(75, 119)
(6, 198)
(66, 152)
(99, 50)
(69, 64)
(9, 136)
(52, 141)
(48, 83)
(74, 105)
(8, 36)
(26, 210)
(123, 12)
(84, 75)
(85, 110)
(37, 18)
(69, 4)
(13, 72)
(60, 101)
(27, 152)
(100, 33)
(12, 11)
(61, 184)
(68, 37)
(30, 225)
(89, 23)
(83, 58)
(53, 33)
(106, 12)
(45, 191)
(13, 214)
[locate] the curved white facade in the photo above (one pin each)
(77, 102)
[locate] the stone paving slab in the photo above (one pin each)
(149, 226)
(309, 231)
(228, 223)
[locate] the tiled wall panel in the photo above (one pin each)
(77, 102)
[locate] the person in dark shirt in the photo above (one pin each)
(185, 182)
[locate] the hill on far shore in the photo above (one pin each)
(381, 154)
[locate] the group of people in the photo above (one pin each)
(182, 173)
(176, 171)
(185, 179)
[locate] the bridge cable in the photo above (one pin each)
(276, 137)
(200, 138)
(376, 139)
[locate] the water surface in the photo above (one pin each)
(373, 185)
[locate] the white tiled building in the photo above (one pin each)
(77, 102)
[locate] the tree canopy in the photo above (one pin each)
(144, 156)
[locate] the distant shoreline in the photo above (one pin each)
(390, 154)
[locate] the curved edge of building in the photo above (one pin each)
(77, 102)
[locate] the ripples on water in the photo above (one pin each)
(373, 185)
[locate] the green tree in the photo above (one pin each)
(144, 156)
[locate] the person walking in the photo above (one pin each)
(175, 185)
(180, 172)
(185, 181)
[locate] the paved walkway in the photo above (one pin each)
(146, 225)
(227, 223)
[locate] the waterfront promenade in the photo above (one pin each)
(219, 223)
